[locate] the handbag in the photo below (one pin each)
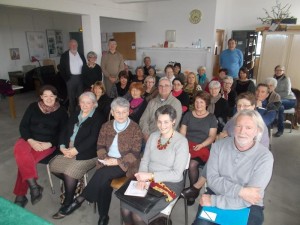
(143, 204)
(202, 153)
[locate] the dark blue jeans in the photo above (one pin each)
(256, 215)
(285, 104)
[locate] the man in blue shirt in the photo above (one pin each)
(232, 59)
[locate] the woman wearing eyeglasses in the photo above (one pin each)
(119, 157)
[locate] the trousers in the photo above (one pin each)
(285, 104)
(75, 89)
(99, 189)
(26, 159)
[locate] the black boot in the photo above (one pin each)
(21, 200)
(35, 191)
(103, 220)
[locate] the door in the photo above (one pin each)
(78, 37)
(218, 48)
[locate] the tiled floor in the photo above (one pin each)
(282, 200)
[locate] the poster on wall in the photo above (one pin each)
(36, 42)
(14, 53)
(55, 42)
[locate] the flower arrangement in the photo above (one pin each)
(278, 13)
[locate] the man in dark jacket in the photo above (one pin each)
(71, 63)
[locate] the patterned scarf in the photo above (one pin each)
(48, 109)
(213, 100)
(162, 188)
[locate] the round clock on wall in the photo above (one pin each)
(195, 16)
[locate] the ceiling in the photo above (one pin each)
(137, 1)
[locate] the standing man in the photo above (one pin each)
(232, 59)
(71, 63)
(111, 63)
(147, 65)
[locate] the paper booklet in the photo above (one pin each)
(132, 189)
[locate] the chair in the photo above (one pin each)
(46, 161)
(168, 210)
(291, 114)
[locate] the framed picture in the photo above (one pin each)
(55, 42)
(14, 53)
(36, 42)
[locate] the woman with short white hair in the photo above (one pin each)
(218, 105)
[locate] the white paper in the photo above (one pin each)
(208, 215)
(132, 189)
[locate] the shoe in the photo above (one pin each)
(190, 192)
(61, 212)
(71, 208)
(278, 134)
(21, 201)
(36, 194)
(103, 220)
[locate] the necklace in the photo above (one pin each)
(200, 114)
(165, 145)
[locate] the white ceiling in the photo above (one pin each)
(137, 1)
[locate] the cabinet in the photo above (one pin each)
(246, 42)
(280, 48)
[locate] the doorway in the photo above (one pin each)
(218, 48)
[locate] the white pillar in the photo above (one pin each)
(91, 34)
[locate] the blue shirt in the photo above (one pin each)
(232, 60)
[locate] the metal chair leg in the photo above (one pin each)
(50, 179)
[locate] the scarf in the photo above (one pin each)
(135, 102)
(213, 100)
(48, 109)
(201, 79)
(176, 93)
(162, 188)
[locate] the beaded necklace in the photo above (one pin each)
(165, 145)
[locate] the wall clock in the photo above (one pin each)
(195, 16)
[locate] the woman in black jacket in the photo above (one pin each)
(78, 146)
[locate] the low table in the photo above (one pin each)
(13, 214)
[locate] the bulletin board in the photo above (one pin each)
(36, 42)
(126, 44)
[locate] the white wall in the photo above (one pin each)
(14, 22)
(170, 15)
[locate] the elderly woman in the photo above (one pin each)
(239, 170)
(178, 74)
(244, 101)
(200, 128)
(78, 147)
(139, 75)
(201, 77)
(218, 105)
(181, 95)
(244, 84)
(164, 160)
(288, 98)
(151, 90)
(120, 88)
(39, 129)
(229, 94)
(102, 98)
(117, 157)
(91, 72)
(191, 88)
(137, 103)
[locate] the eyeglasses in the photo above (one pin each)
(118, 113)
(279, 70)
(149, 82)
(163, 86)
(243, 106)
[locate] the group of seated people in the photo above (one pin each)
(147, 131)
